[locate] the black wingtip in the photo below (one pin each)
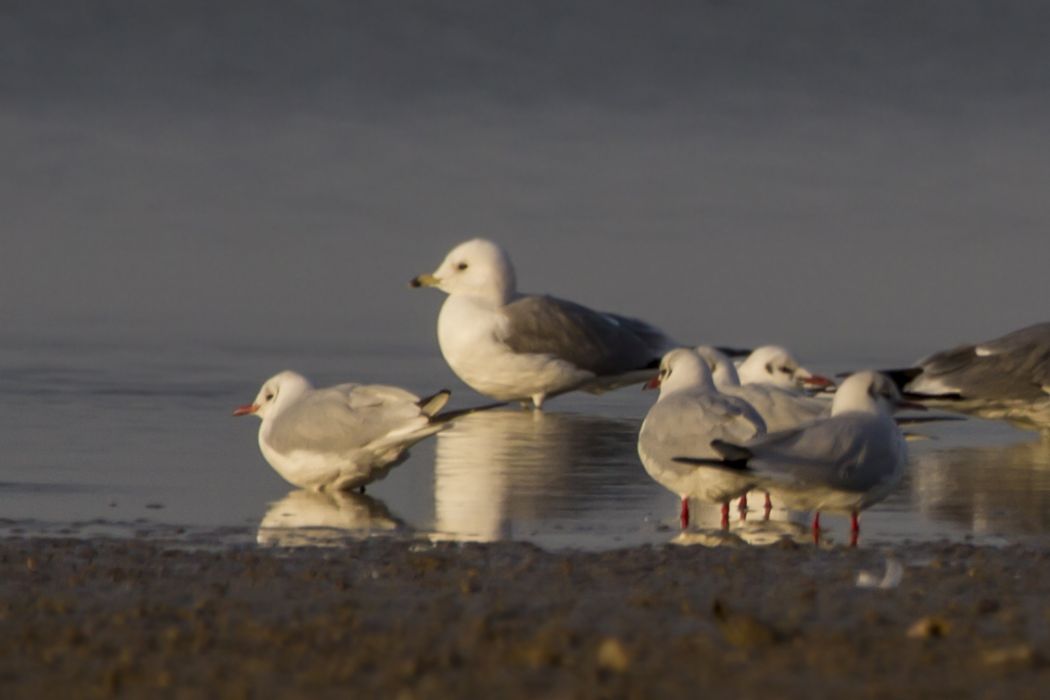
(901, 377)
(914, 396)
(731, 452)
(733, 352)
(733, 465)
(734, 457)
(460, 412)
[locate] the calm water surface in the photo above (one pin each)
(120, 440)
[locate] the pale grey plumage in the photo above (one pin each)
(602, 343)
(514, 346)
(339, 437)
(842, 463)
(1006, 377)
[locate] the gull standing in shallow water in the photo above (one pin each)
(513, 346)
(781, 408)
(688, 415)
(1006, 378)
(340, 437)
(844, 463)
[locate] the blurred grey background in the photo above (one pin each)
(849, 178)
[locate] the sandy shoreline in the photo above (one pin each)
(385, 618)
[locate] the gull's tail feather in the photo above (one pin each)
(430, 405)
(733, 352)
(947, 396)
(734, 457)
(901, 377)
(460, 412)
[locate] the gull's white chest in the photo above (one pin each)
(471, 333)
(467, 327)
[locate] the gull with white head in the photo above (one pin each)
(775, 365)
(843, 463)
(689, 414)
(527, 347)
(339, 437)
(780, 408)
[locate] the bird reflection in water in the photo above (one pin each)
(527, 474)
(987, 490)
(319, 518)
(754, 525)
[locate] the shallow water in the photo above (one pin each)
(138, 441)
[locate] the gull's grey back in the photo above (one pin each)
(602, 343)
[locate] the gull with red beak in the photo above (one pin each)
(780, 407)
(775, 365)
(339, 437)
(529, 347)
(689, 414)
(844, 463)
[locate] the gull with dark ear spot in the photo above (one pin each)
(780, 408)
(1004, 378)
(527, 347)
(844, 463)
(339, 437)
(687, 416)
(775, 365)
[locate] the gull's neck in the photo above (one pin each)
(725, 375)
(854, 398)
(687, 376)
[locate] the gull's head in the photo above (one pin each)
(477, 267)
(721, 367)
(681, 369)
(868, 392)
(275, 393)
(773, 364)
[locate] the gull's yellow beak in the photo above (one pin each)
(424, 280)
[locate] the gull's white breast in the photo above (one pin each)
(470, 332)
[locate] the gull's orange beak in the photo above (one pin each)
(245, 410)
(653, 383)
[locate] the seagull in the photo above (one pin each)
(775, 365)
(779, 407)
(689, 414)
(527, 347)
(339, 437)
(844, 463)
(1005, 378)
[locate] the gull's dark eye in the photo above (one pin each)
(461, 266)
(269, 397)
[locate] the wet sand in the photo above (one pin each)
(384, 618)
